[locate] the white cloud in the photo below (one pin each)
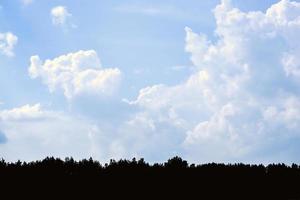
(27, 2)
(291, 65)
(242, 103)
(62, 17)
(26, 112)
(148, 10)
(76, 73)
(244, 81)
(286, 113)
(59, 15)
(156, 10)
(7, 43)
(31, 132)
(179, 67)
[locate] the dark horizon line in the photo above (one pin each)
(173, 178)
(142, 160)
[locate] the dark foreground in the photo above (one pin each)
(137, 179)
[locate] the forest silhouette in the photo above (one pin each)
(174, 178)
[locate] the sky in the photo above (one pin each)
(209, 80)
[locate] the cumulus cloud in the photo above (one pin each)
(62, 17)
(26, 112)
(32, 132)
(243, 97)
(242, 103)
(7, 43)
(76, 73)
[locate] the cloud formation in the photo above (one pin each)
(243, 97)
(76, 73)
(7, 43)
(62, 17)
(241, 103)
(27, 2)
(32, 132)
(156, 10)
(26, 112)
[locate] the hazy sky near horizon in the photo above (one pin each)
(206, 80)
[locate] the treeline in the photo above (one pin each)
(175, 177)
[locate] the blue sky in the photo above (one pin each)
(205, 80)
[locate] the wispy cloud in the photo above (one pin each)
(27, 2)
(154, 10)
(142, 9)
(180, 67)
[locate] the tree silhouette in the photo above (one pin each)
(174, 178)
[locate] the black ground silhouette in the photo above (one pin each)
(136, 178)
